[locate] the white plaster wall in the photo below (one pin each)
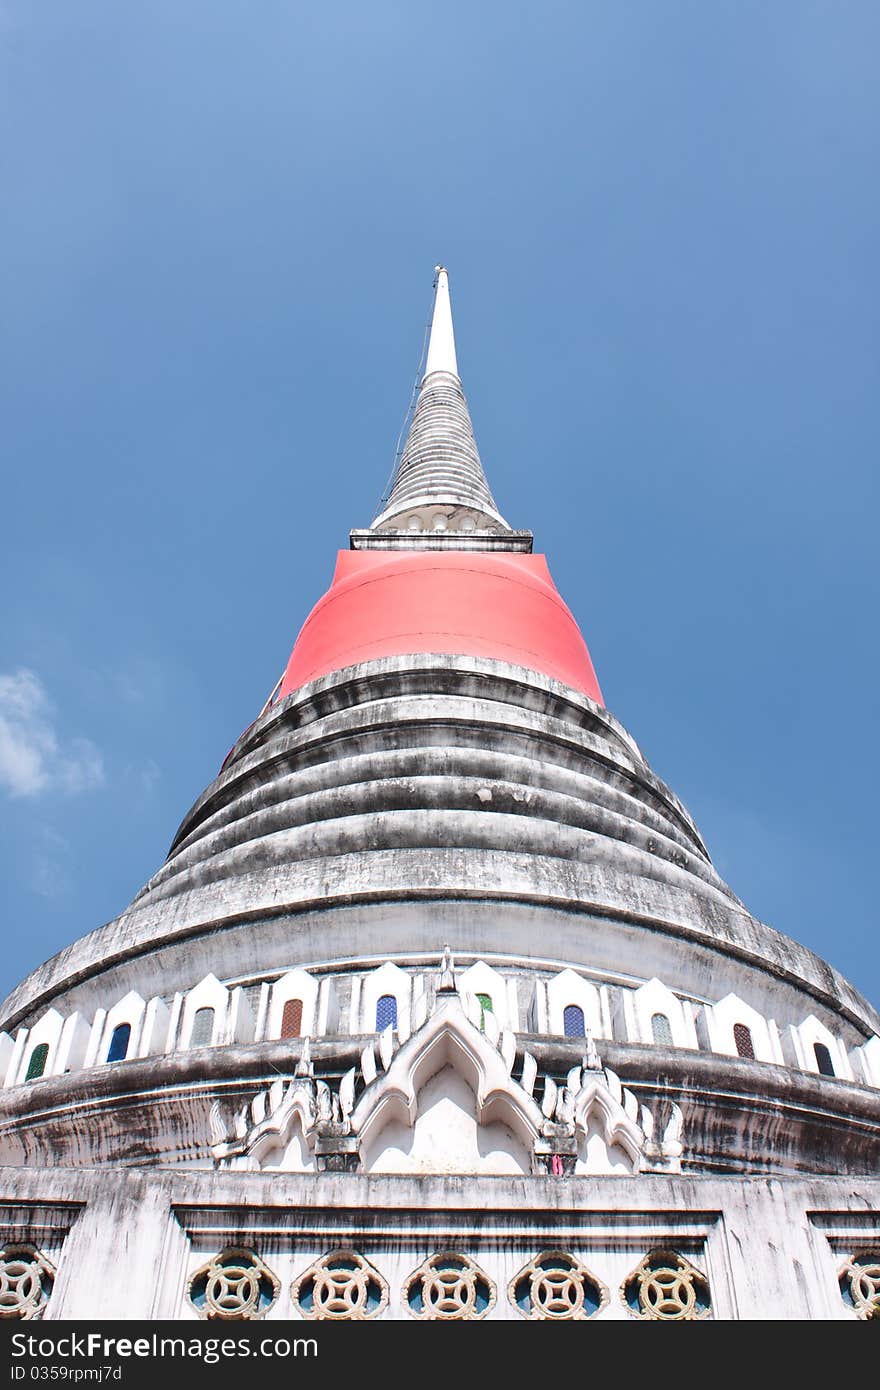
(570, 988)
(722, 1017)
(131, 1010)
(770, 1248)
(810, 1032)
(72, 1044)
(866, 1062)
(388, 979)
(596, 1155)
(654, 998)
(296, 984)
(480, 978)
(155, 1032)
(446, 1137)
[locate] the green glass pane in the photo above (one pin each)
(37, 1063)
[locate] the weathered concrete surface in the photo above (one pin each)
(440, 463)
(451, 781)
(770, 1248)
(739, 1116)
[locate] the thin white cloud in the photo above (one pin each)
(51, 868)
(143, 776)
(140, 683)
(32, 758)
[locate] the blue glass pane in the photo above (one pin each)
(386, 1012)
(118, 1049)
(573, 1021)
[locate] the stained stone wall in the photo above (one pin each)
(358, 828)
(125, 1244)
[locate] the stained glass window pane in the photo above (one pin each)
(743, 1040)
(292, 1018)
(203, 1028)
(386, 1012)
(661, 1030)
(118, 1048)
(37, 1063)
(573, 1022)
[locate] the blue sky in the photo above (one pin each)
(219, 227)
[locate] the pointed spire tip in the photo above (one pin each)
(441, 348)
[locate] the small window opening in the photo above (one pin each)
(823, 1059)
(573, 1023)
(292, 1018)
(118, 1049)
(661, 1030)
(486, 1007)
(203, 1028)
(37, 1062)
(386, 1012)
(743, 1041)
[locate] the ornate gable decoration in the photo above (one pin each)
(553, 1125)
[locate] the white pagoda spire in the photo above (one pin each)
(439, 495)
(441, 349)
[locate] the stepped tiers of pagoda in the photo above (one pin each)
(438, 1007)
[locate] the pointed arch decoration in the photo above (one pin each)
(448, 1038)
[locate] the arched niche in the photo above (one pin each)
(129, 1010)
(569, 990)
(294, 985)
(726, 1022)
(483, 983)
(494, 1122)
(289, 1150)
(446, 1136)
(389, 979)
(208, 994)
(812, 1034)
(652, 1001)
(598, 1153)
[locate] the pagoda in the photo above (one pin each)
(438, 1008)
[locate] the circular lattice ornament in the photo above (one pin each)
(555, 1285)
(449, 1286)
(26, 1281)
(666, 1287)
(860, 1283)
(234, 1286)
(341, 1286)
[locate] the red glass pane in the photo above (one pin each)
(292, 1018)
